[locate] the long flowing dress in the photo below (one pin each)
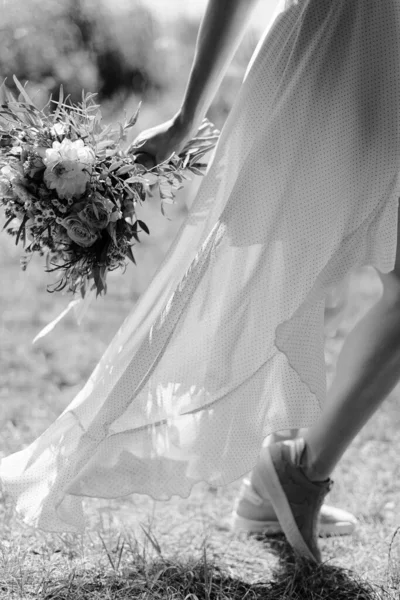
(226, 344)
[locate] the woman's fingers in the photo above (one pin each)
(160, 142)
(145, 159)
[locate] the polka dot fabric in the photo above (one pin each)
(226, 344)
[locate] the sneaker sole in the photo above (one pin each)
(273, 528)
(270, 486)
(249, 526)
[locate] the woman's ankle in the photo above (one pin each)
(311, 466)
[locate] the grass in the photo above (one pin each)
(198, 579)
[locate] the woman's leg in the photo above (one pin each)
(257, 515)
(295, 475)
(369, 367)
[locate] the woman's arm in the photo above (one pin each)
(220, 33)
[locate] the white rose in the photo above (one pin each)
(68, 167)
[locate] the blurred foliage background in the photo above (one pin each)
(98, 46)
(117, 48)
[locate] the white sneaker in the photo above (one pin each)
(253, 514)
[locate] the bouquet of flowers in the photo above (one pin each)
(70, 191)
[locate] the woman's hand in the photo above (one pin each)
(163, 140)
(220, 32)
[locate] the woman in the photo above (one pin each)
(225, 346)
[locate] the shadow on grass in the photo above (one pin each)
(197, 580)
(295, 579)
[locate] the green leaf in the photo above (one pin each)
(111, 233)
(163, 211)
(105, 144)
(59, 103)
(99, 276)
(150, 178)
(126, 169)
(132, 193)
(115, 165)
(129, 210)
(129, 254)
(186, 161)
(8, 222)
(21, 230)
(165, 191)
(22, 90)
(196, 170)
(132, 121)
(198, 155)
(143, 226)
(134, 179)
(106, 131)
(135, 235)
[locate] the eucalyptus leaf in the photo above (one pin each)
(126, 169)
(195, 170)
(132, 121)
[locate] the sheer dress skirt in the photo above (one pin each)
(226, 344)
